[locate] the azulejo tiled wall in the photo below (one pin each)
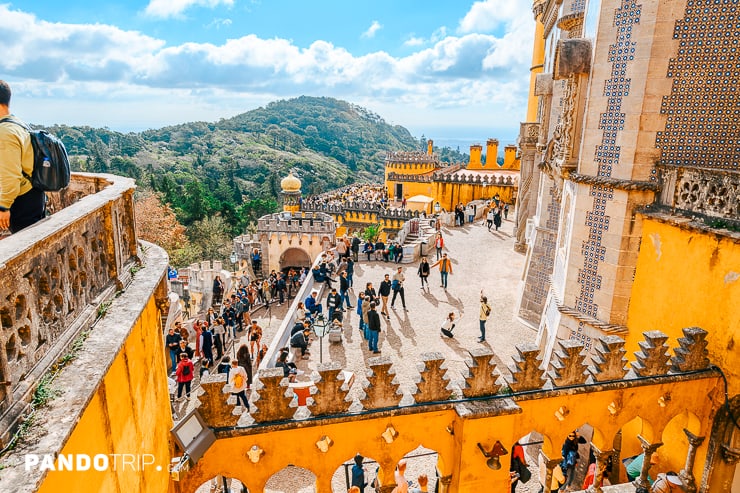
(704, 104)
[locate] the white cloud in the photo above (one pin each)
(218, 23)
(175, 8)
(487, 15)
(374, 28)
(129, 75)
(414, 41)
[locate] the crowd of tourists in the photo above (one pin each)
(365, 194)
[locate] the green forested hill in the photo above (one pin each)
(231, 169)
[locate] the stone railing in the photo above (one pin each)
(410, 157)
(284, 222)
(708, 192)
(507, 180)
(55, 274)
(528, 380)
(282, 336)
(393, 176)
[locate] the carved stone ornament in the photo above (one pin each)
(558, 149)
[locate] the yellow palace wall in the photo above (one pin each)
(129, 413)
(451, 194)
(688, 278)
(459, 455)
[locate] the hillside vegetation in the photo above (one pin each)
(224, 175)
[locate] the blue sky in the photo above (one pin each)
(448, 69)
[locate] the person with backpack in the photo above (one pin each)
(238, 382)
(21, 204)
(184, 376)
(485, 311)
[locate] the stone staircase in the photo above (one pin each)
(419, 239)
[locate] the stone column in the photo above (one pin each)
(526, 204)
(601, 458)
(444, 483)
(549, 467)
(686, 474)
(649, 449)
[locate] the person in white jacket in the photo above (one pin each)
(238, 381)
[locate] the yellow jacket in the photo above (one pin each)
(16, 157)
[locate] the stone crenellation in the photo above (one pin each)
(500, 180)
(331, 392)
(482, 376)
(433, 383)
(402, 157)
(653, 358)
(275, 401)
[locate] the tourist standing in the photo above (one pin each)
(184, 374)
(485, 311)
(397, 285)
(172, 340)
(218, 290)
(21, 205)
(344, 291)
(489, 219)
(238, 381)
(423, 272)
(439, 244)
(384, 290)
(358, 474)
(373, 332)
(445, 268)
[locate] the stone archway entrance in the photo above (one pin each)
(294, 257)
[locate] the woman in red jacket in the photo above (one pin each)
(184, 375)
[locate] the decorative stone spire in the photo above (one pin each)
(527, 374)
(692, 353)
(567, 366)
(331, 396)
(381, 389)
(609, 362)
(482, 375)
(273, 403)
(653, 359)
(433, 381)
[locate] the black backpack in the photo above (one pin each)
(51, 171)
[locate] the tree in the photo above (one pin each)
(212, 236)
(156, 223)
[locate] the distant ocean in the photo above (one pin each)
(462, 140)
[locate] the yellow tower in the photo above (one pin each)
(538, 60)
(430, 147)
(491, 153)
(510, 160)
(475, 154)
(291, 193)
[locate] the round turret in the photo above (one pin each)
(290, 183)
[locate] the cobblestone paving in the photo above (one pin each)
(482, 260)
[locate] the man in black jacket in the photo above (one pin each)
(300, 340)
(334, 302)
(344, 290)
(385, 291)
(173, 343)
(373, 322)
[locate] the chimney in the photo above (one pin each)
(510, 159)
(475, 154)
(491, 153)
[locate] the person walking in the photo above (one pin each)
(355, 247)
(172, 340)
(384, 290)
(184, 375)
(344, 291)
(397, 286)
(373, 323)
(439, 244)
(423, 272)
(569, 453)
(497, 217)
(21, 205)
(489, 219)
(485, 311)
(445, 268)
(238, 381)
(358, 474)
(218, 290)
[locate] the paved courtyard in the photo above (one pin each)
(482, 260)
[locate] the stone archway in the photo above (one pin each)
(294, 257)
